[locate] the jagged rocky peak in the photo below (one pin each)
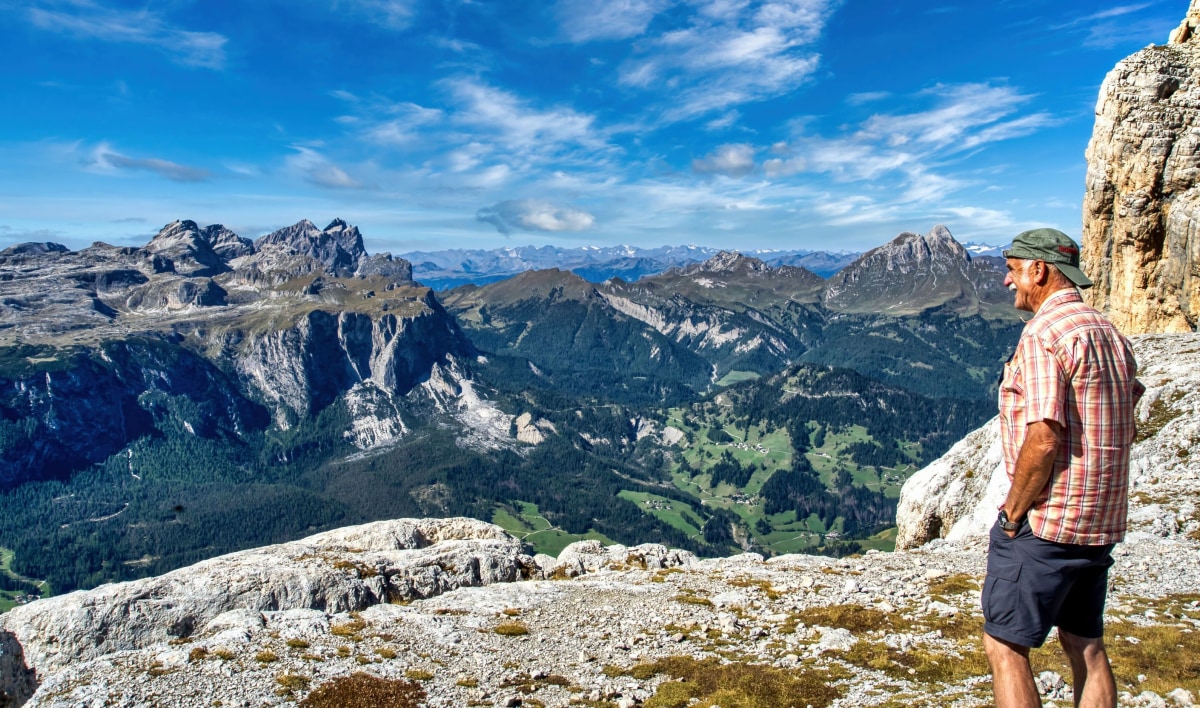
(916, 272)
(338, 247)
(188, 249)
(909, 251)
(1141, 209)
(225, 243)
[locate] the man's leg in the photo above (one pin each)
(1012, 678)
(1093, 682)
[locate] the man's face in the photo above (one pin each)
(1019, 281)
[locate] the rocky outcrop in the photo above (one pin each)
(346, 570)
(1141, 212)
(956, 497)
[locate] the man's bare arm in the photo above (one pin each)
(1034, 464)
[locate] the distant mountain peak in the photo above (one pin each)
(914, 272)
(727, 262)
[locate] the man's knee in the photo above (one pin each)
(1086, 648)
(1002, 650)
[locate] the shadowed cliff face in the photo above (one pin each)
(1141, 213)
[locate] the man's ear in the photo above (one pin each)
(1043, 273)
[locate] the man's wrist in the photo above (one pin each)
(1005, 523)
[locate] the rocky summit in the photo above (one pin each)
(454, 612)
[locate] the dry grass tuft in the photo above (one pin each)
(418, 675)
(855, 618)
(689, 597)
(361, 690)
(512, 629)
(265, 656)
(348, 629)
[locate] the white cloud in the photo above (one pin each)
(731, 53)
(87, 19)
(588, 20)
(735, 160)
(104, 159)
(315, 168)
(535, 215)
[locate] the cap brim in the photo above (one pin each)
(1074, 275)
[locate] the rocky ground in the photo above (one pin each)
(883, 629)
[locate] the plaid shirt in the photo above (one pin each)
(1073, 367)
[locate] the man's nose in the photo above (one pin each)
(1007, 279)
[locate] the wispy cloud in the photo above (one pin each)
(965, 116)
(513, 121)
(1103, 29)
(732, 52)
(535, 215)
(90, 20)
(588, 20)
(858, 99)
(393, 14)
(314, 168)
(106, 160)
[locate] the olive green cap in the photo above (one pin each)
(1053, 247)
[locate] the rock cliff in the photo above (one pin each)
(1141, 239)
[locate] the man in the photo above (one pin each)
(1067, 422)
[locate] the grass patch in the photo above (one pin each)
(710, 682)
(736, 376)
(919, 663)
(676, 514)
(855, 618)
(362, 690)
(689, 597)
(418, 675)
(955, 584)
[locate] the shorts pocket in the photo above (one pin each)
(1000, 598)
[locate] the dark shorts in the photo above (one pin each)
(1033, 585)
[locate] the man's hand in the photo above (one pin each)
(1035, 462)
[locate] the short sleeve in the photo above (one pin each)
(1046, 382)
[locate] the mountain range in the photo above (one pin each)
(442, 270)
(206, 392)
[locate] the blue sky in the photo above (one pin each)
(820, 124)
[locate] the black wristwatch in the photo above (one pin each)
(1005, 524)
